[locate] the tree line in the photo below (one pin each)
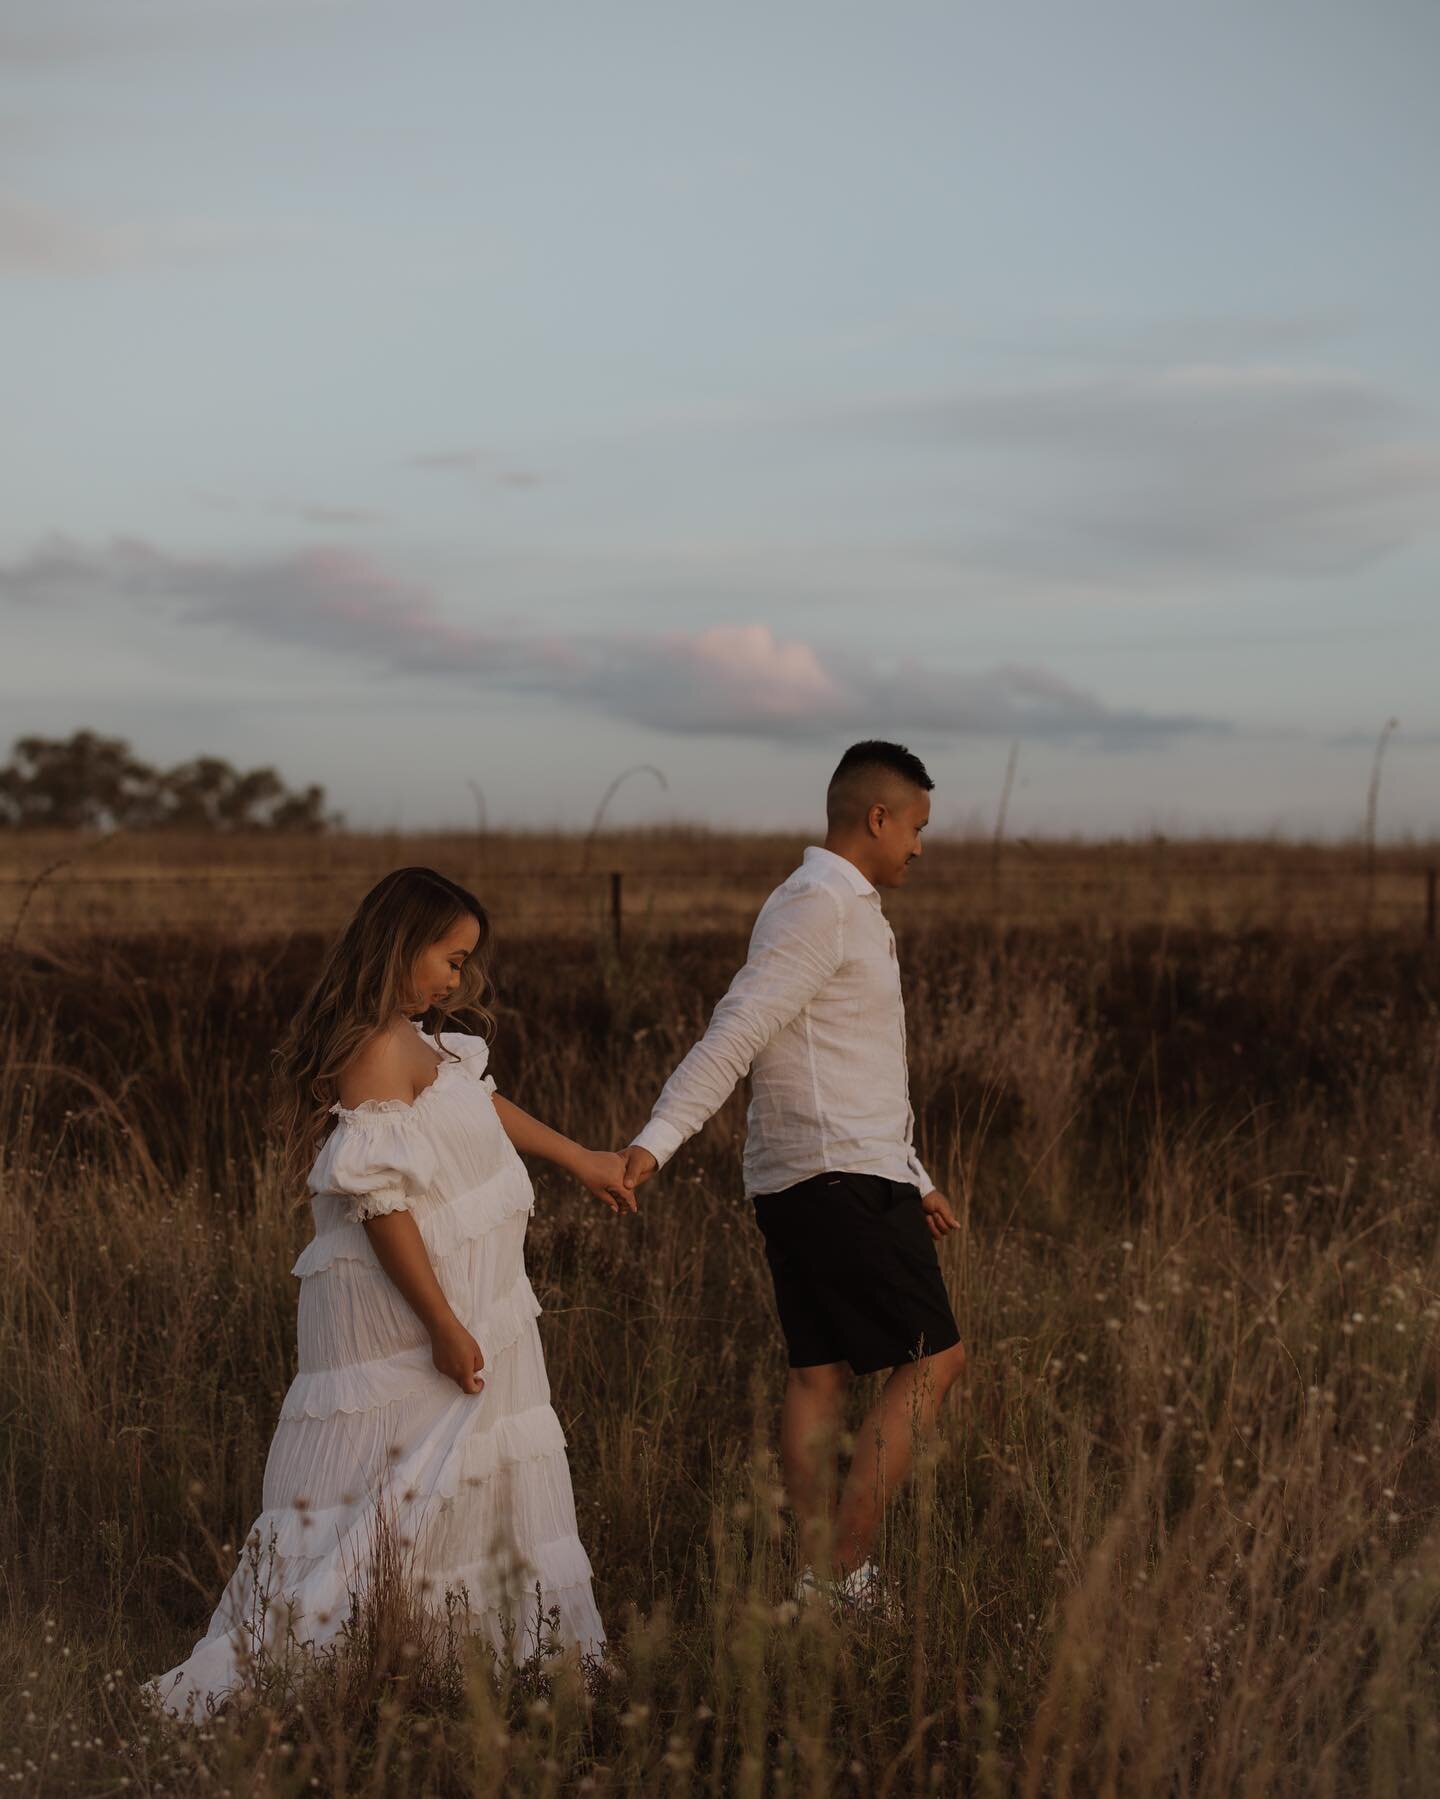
(90, 782)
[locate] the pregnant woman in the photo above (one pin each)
(421, 1415)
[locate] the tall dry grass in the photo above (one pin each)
(1178, 1536)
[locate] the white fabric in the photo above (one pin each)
(817, 1017)
(476, 1486)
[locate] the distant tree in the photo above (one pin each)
(209, 795)
(84, 782)
(88, 782)
(304, 812)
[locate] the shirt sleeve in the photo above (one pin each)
(797, 945)
(381, 1162)
(917, 1169)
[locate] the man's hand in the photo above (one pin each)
(603, 1172)
(938, 1215)
(639, 1166)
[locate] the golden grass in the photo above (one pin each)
(1178, 1536)
(536, 884)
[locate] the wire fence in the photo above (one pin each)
(1100, 890)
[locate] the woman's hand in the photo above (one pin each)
(602, 1172)
(457, 1355)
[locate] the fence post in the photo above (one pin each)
(617, 908)
(1431, 876)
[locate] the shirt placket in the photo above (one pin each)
(904, 1046)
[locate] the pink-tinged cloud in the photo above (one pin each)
(725, 680)
(751, 665)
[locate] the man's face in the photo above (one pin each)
(897, 842)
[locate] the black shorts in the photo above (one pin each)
(856, 1275)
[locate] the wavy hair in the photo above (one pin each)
(364, 980)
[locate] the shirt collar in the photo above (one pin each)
(816, 855)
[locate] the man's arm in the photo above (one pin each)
(797, 945)
(938, 1216)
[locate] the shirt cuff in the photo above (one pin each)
(660, 1139)
(926, 1184)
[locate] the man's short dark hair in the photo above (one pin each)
(876, 753)
(862, 767)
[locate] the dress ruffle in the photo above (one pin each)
(367, 1386)
(301, 1531)
(445, 1224)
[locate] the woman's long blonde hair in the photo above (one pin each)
(365, 979)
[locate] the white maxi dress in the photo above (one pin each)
(475, 1488)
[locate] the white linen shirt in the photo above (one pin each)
(817, 1017)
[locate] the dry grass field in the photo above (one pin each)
(1179, 1536)
(256, 887)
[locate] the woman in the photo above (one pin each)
(420, 1417)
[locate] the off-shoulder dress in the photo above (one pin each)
(475, 1489)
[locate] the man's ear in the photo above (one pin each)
(875, 818)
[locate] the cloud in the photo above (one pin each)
(1144, 410)
(37, 240)
(473, 462)
(728, 680)
(333, 515)
(744, 680)
(1172, 474)
(466, 460)
(45, 33)
(311, 513)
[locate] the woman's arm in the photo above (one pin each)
(601, 1171)
(383, 1070)
(400, 1250)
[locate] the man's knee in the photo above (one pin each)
(943, 1369)
(825, 1380)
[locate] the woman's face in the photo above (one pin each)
(436, 974)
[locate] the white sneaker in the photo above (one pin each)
(862, 1590)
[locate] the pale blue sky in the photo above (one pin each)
(409, 393)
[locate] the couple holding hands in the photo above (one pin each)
(422, 1407)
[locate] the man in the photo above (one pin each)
(848, 1214)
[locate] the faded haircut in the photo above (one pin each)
(862, 775)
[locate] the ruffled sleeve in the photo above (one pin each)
(474, 1054)
(378, 1159)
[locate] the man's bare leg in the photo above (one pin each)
(908, 1406)
(809, 1424)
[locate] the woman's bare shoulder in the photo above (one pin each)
(384, 1067)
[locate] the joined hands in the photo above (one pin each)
(604, 1173)
(613, 1175)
